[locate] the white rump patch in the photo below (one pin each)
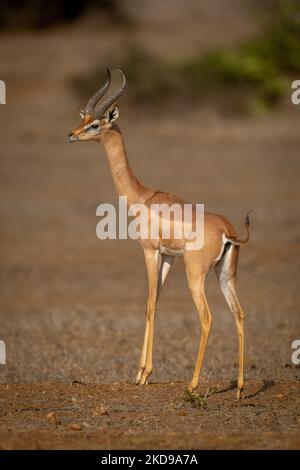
(225, 240)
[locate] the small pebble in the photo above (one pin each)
(100, 410)
(75, 427)
(52, 416)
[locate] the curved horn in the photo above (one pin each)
(90, 106)
(100, 109)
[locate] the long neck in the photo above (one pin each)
(124, 179)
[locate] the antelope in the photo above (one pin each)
(220, 249)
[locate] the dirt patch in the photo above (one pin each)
(72, 308)
(152, 417)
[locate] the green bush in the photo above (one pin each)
(253, 76)
(262, 66)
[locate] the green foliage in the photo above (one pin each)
(260, 68)
(252, 77)
(149, 77)
(195, 399)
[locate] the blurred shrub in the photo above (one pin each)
(252, 77)
(260, 68)
(148, 78)
(38, 14)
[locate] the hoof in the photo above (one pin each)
(139, 376)
(144, 378)
(192, 387)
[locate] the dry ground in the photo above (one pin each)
(72, 307)
(85, 416)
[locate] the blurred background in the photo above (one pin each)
(207, 114)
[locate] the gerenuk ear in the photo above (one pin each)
(112, 115)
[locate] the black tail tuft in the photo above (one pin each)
(247, 220)
(242, 241)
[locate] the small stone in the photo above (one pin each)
(52, 416)
(100, 410)
(75, 427)
(279, 395)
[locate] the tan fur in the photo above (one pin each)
(198, 262)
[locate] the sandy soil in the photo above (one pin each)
(73, 307)
(87, 416)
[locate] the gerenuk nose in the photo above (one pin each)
(71, 138)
